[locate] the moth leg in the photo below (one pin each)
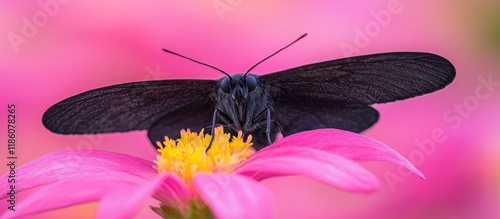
(225, 119)
(278, 124)
(216, 125)
(214, 117)
(258, 119)
(268, 128)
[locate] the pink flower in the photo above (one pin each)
(222, 182)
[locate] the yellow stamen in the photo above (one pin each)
(187, 155)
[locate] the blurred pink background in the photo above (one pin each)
(74, 46)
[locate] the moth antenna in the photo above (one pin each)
(303, 35)
(201, 63)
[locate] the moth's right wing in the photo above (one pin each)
(135, 106)
(337, 93)
(299, 117)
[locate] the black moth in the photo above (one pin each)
(331, 94)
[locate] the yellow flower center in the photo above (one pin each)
(187, 155)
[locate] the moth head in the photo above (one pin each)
(239, 86)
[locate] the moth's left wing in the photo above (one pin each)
(162, 107)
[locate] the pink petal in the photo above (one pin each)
(129, 191)
(66, 193)
(233, 196)
(347, 144)
(320, 165)
(173, 191)
(125, 201)
(67, 164)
